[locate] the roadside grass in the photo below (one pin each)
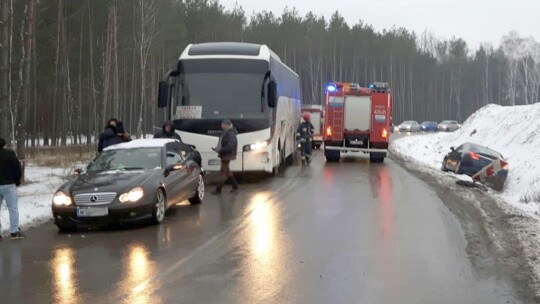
(66, 159)
(60, 156)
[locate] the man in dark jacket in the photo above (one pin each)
(109, 136)
(305, 135)
(168, 131)
(10, 179)
(226, 150)
(121, 131)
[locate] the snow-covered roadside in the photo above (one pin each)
(35, 196)
(502, 228)
(512, 131)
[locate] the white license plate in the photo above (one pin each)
(92, 211)
(214, 162)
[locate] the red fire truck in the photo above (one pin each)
(317, 118)
(357, 120)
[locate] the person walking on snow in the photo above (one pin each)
(168, 131)
(305, 135)
(10, 179)
(226, 150)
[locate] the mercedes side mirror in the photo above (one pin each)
(272, 94)
(77, 172)
(452, 148)
(174, 167)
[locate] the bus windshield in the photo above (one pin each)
(218, 88)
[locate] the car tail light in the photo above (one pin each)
(329, 131)
(504, 165)
(384, 133)
(474, 156)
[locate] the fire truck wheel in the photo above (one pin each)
(376, 159)
(332, 158)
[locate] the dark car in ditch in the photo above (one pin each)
(128, 182)
(471, 158)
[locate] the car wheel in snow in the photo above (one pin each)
(458, 168)
(443, 168)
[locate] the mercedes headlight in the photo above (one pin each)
(133, 195)
(60, 198)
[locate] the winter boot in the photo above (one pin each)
(217, 191)
(234, 184)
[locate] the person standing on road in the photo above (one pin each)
(10, 179)
(226, 150)
(168, 131)
(305, 135)
(109, 136)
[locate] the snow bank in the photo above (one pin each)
(512, 131)
(35, 196)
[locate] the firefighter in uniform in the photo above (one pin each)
(305, 135)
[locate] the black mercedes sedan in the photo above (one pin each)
(131, 181)
(476, 160)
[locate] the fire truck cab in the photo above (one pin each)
(317, 120)
(357, 120)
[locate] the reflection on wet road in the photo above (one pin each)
(65, 280)
(352, 232)
(138, 268)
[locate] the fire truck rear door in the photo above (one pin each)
(358, 113)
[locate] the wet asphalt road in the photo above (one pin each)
(351, 232)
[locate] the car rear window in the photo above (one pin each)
(486, 151)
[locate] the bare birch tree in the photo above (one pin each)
(27, 55)
(147, 13)
(4, 68)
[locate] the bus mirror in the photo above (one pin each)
(272, 94)
(163, 95)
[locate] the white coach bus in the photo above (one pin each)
(246, 83)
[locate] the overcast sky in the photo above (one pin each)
(477, 21)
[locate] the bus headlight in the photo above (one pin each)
(256, 146)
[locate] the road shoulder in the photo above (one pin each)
(503, 242)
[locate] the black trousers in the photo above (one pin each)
(305, 149)
(226, 175)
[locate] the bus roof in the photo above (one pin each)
(238, 50)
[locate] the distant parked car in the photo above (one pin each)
(449, 126)
(130, 181)
(470, 158)
(429, 126)
(409, 126)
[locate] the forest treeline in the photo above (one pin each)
(68, 66)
